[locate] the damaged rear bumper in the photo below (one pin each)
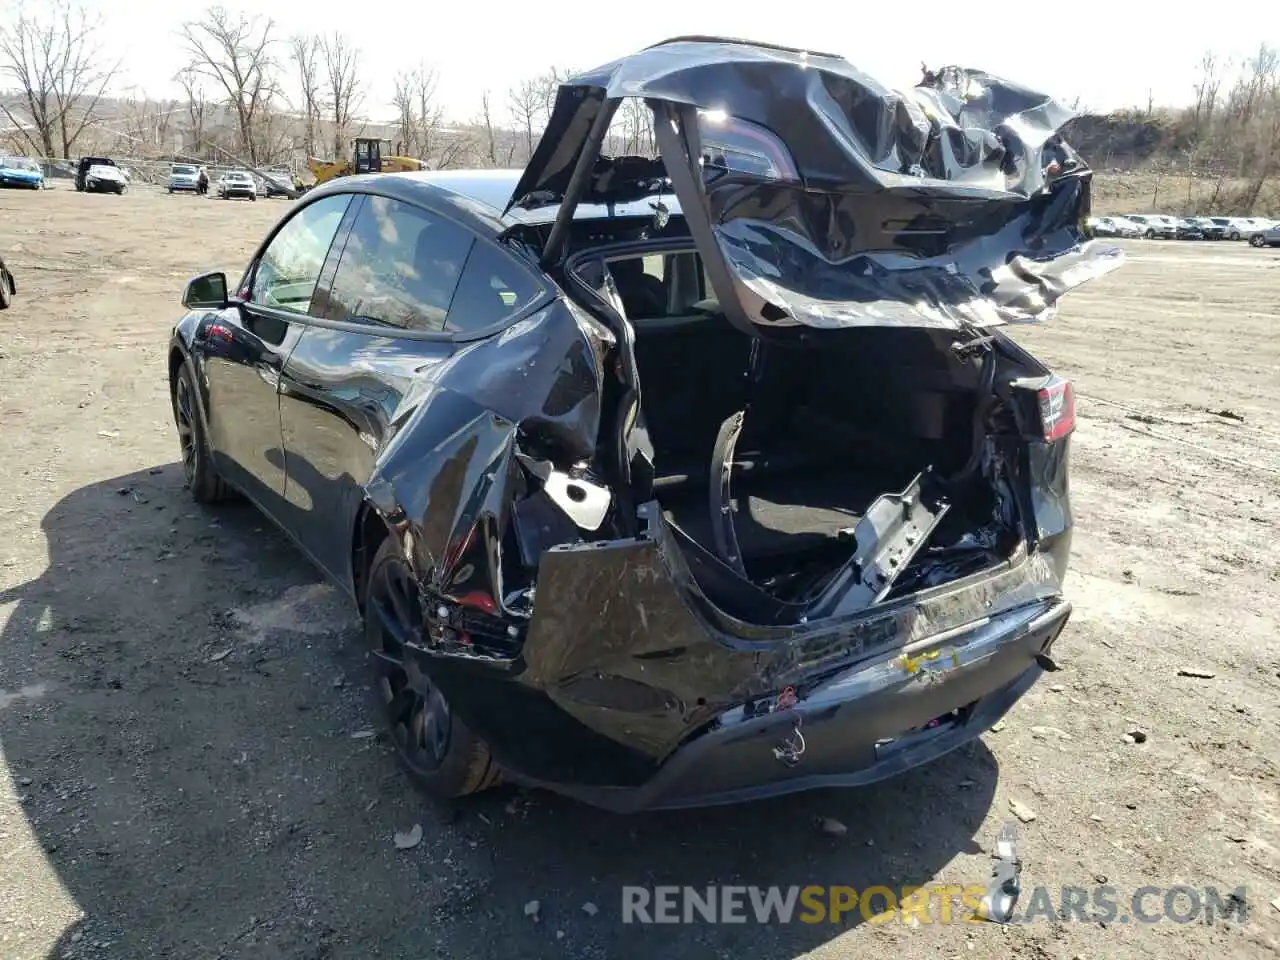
(631, 691)
(865, 724)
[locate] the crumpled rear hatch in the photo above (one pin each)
(818, 196)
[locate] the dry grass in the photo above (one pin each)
(1147, 192)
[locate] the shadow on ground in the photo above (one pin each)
(187, 723)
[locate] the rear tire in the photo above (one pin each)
(1150, 234)
(6, 289)
(202, 477)
(442, 756)
(1257, 240)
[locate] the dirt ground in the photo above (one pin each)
(182, 701)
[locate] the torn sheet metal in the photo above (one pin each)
(836, 201)
(1005, 886)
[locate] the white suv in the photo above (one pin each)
(237, 183)
(184, 176)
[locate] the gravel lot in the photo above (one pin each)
(181, 700)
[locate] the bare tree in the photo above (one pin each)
(635, 129)
(146, 122)
(527, 103)
(418, 116)
(549, 88)
(342, 71)
(406, 127)
(455, 148)
(235, 51)
(304, 51)
(420, 122)
(1206, 89)
(61, 73)
(490, 134)
(197, 104)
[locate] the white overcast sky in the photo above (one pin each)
(1108, 54)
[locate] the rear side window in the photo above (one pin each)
(493, 288)
(290, 266)
(399, 267)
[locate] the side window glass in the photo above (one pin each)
(287, 272)
(399, 267)
(493, 288)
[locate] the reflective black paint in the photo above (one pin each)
(607, 675)
(953, 203)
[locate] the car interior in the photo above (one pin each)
(834, 418)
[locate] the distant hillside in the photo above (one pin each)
(1124, 141)
(1160, 163)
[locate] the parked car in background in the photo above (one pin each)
(184, 177)
(1156, 225)
(1129, 227)
(433, 382)
(1113, 227)
(103, 182)
(1210, 229)
(1266, 238)
(1223, 224)
(277, 184)
(1241, 228)
(237, 183)
(105, 178)
(1188, 228)
(21, 172)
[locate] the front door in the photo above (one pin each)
(245, 351)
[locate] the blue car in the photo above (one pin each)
(20, 172)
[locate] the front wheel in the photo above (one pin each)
(198, 470)
(6, 289)
(443, 758)
(1150, 234)
(1257, 240)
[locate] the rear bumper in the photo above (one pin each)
(865, 724)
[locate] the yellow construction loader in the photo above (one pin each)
(366, 157)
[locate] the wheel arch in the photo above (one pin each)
(178, 355)
(368, 534)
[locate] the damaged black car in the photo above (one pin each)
(683, 479)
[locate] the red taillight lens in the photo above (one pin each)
(1057, 409)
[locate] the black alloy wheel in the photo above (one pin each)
(441, 755)
(201, 475)
(1257, 240)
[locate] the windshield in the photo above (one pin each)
(184, 171)
(236, 176)
(98, 170)
(19, 163)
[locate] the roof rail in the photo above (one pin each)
(698, 38)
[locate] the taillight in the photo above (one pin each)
(1057, 409)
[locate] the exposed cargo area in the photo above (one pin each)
(831, 421)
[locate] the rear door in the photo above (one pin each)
(379, 329)
(245, 351)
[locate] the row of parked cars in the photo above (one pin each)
(92, 175)
(185, 178)
(1258, 231)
